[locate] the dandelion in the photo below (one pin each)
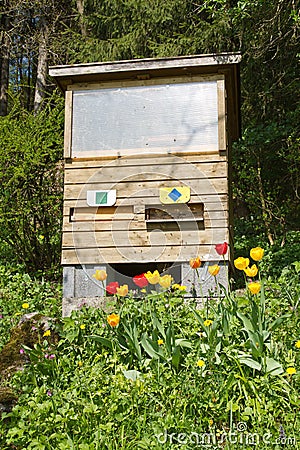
(140, 280)
(100, 275)
(160, 342)
(207, 322)
(122, 290)
(214, 270)
(80, 363)
(200, 363)
(254, 287)
(297, 344)
(195, 263)
(291, 370)
(251, 271)
(241, 263)
(82, 326)
(257, 253)
(111, 288)
(178, 287)
(25, 305)
(47, 333)
(153, 278)
(113, 320)
(221, 249)
(165, 281)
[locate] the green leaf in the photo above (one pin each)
(104, 341)
(148, 347)
(176, 357)
(248, 361)
(132, 375)
(273, 367)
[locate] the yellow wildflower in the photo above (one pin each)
(82, 327)
(179, 287)
(122, 290)
(47, 333)
(113, 319)
(214, 270)
(257, 253)
(25, 305)
(165, 281)
(291, 370)
(200, 363)
(297, 344)
(160, 342)
(80, 363)
(153, 278)
(254, 287)
(241, 263)
(207, 322)
(251, 271)
(100, 275)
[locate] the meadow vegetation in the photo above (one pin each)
(153, 371)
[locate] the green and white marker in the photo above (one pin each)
(101, 198)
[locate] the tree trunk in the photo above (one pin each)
(80, 9)
(42, 67)
(4, 65)
(265, 210)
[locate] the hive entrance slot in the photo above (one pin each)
(175, 217)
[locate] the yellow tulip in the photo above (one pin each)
(214, 270)
(257, 253)
(100, 275)
(113, 319)
(153, 278)
(195, 263)
(251, 271)
(241, 263)
(122, 290)
(254, 287)
(165, 281)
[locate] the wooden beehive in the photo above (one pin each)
(147, 164)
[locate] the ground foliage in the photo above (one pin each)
(152, 371)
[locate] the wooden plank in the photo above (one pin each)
(68, 124)
(128, 238)
(114, 84)
(139, 254)
(183, 62)
(88, 215)
(147, 189)
(91, 226)
(222, 137)
(111, 174)
(211, 201)
(148, 160)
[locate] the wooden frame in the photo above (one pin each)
(222, 116)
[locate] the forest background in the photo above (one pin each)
(35, 34)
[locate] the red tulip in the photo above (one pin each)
(221, 249)
(111, 288)
(140, 280)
